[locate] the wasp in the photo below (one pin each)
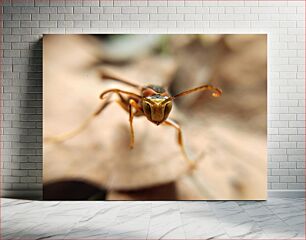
(152, 101)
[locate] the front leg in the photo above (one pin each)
(180, 142)
(132, 105)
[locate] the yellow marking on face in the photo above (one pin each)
(157, 108)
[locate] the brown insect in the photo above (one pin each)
(153, 101)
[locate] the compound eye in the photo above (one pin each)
(147, 109)
(168, 108)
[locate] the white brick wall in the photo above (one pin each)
(24, 22)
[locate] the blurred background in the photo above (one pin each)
(226, 135)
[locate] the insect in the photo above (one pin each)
(153, 101)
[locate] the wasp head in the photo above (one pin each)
(157, 108)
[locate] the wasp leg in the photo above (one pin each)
(171, 123)
(65, 136)
(132, 104)
(83, 126)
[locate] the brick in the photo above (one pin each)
(11, 53)
(176, 17)
(161, 17)
(297, 124)
(288, 179)
(296, 151)
(98, 24)
(185, 9)
(74, 3)
(30, 24)
(193, 3)
(279, 186)
(230, 3)
(49, 10)
(48, 24)
(40, 17)
(300, 179)
(57, 17)
(60, 3)
(19, 173)
(40, 31)
(273, 179)
(296, 158)
(105, 17)
(222, 24)
(279, 124)
(193, 17)
(19, 186)
(27, 179)
(280, 172)
(166, 10)
(273, 165)
(229, 17)
(96, 10)
(140, 17)
(11, 24)
(91, 16)
(242, 10)
(21, 31)
(130, 24)
(11, 10)
(296, 186)
(42, 3)
(129, 10)
(287, 131)
(203, 10)
(287, 165)
(21, 17)
(35, 173)
(184, 24)
(300, 144)
(273, 144)
(6, 172)
(73, 17)
(121, 17)
(296, 172)
(113, 24)
(140, 3)
(287, 10)
(81, 10)
(82, 24)
(148, 24)
(261, 10)
(20, 46)
(147, 9)
(10, 179)
(65, 24)
(158, 3)
(6, 31)
(63, 10)
(167, 24)
(242, 24)
(91, 3)
(29, 10)
(121, 3)
(112, 10)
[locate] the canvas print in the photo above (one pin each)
(155, 117)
